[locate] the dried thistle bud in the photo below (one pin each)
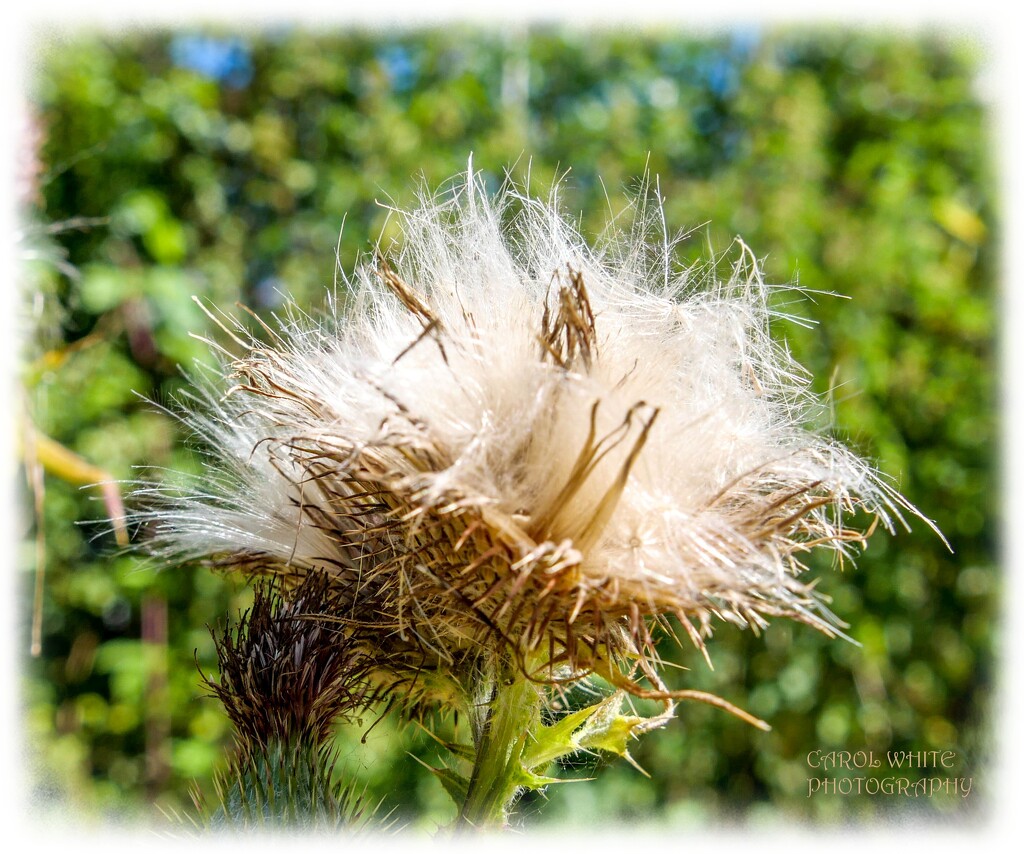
(506, 445)
(289, 669)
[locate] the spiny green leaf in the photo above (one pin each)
(557, 740)
(529, 780)
(613, 737)
(456, 785)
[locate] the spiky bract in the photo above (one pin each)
(290, 669)
(286, 785)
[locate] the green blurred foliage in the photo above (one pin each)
(224, 166)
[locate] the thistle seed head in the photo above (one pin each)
(504, 442)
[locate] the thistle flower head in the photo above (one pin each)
(504, 442)
(289, 670)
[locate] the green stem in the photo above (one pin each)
(500, 735)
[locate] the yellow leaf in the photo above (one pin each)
(959, 220)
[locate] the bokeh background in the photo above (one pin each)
(158, 165)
